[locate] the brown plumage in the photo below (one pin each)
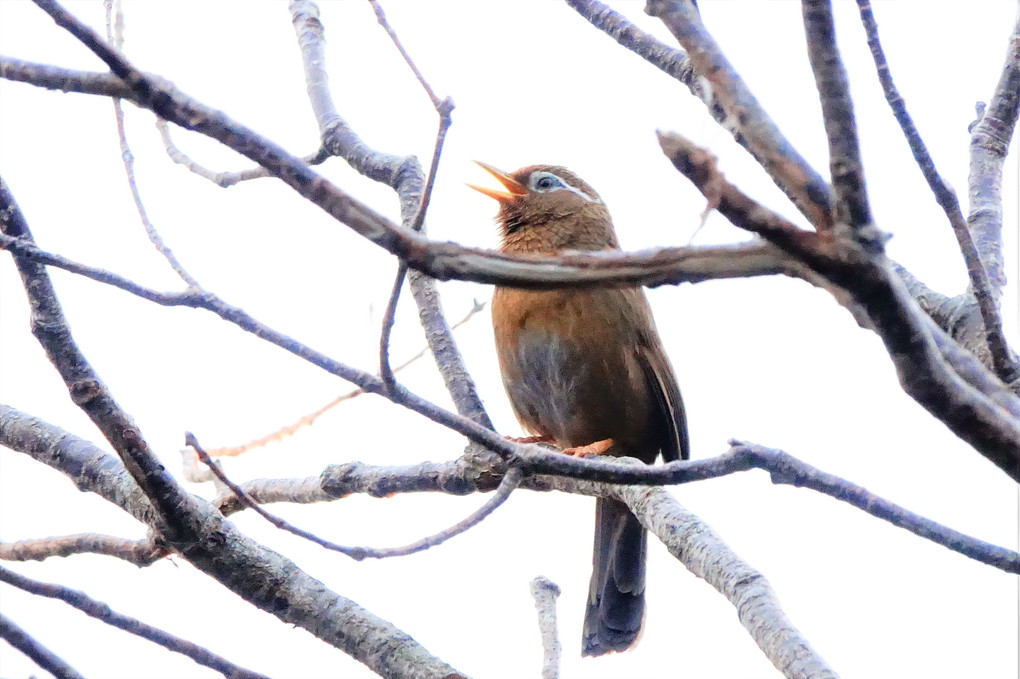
(584, 367)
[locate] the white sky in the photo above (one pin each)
(767, 360)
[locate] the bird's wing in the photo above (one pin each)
(659, 374)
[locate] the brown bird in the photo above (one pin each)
(585, 369)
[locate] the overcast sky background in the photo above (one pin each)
(772, 361)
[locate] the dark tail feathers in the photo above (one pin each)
(616, 596)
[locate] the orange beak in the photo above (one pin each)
(514, 188)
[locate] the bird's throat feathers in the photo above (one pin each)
(553, 229)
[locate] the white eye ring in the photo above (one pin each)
(544, 182)
(547, 182)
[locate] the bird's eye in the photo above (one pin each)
(546, 182)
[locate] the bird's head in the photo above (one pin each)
(547, 209)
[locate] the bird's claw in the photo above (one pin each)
(597, 448)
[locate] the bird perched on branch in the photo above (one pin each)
(585, 369)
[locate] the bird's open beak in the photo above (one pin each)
(513, 187)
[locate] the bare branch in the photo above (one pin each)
(87, 391)
(444, 108)
(459, 478)
(381, 17)
(101, 611)
(676, 63)
(471, 429)
(507, 486)
(138, 552)
(389, 318)
(65, 80)
(509, 483)
(879, 298)
(784, 165)
(222, 179)
(703, 553)
(660, 266)
(989, 144)
(308, 420)
(115, 35)
(353, 552)
(544, 591)
(444, 260)
(190, 525)
(987, 297)
(851, 197)
(42, 656)
(404, 176)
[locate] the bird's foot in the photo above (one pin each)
(529, 439)
(596, 448)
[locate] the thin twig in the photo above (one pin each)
(223, 179)
(307, 420)
(115, 36)
(389, 318)
(544, 591)
(403, 175)
(40, 655)
(381, 17)
(101, 611)
(1003, 360)
(507, 486)
(510, 482)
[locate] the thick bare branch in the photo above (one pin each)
(878, 296)
(660, 266)
(703, 553)
(958, 321)
(193, 527)
(784, 165)
(65, 80)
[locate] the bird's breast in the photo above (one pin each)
(568, 362)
